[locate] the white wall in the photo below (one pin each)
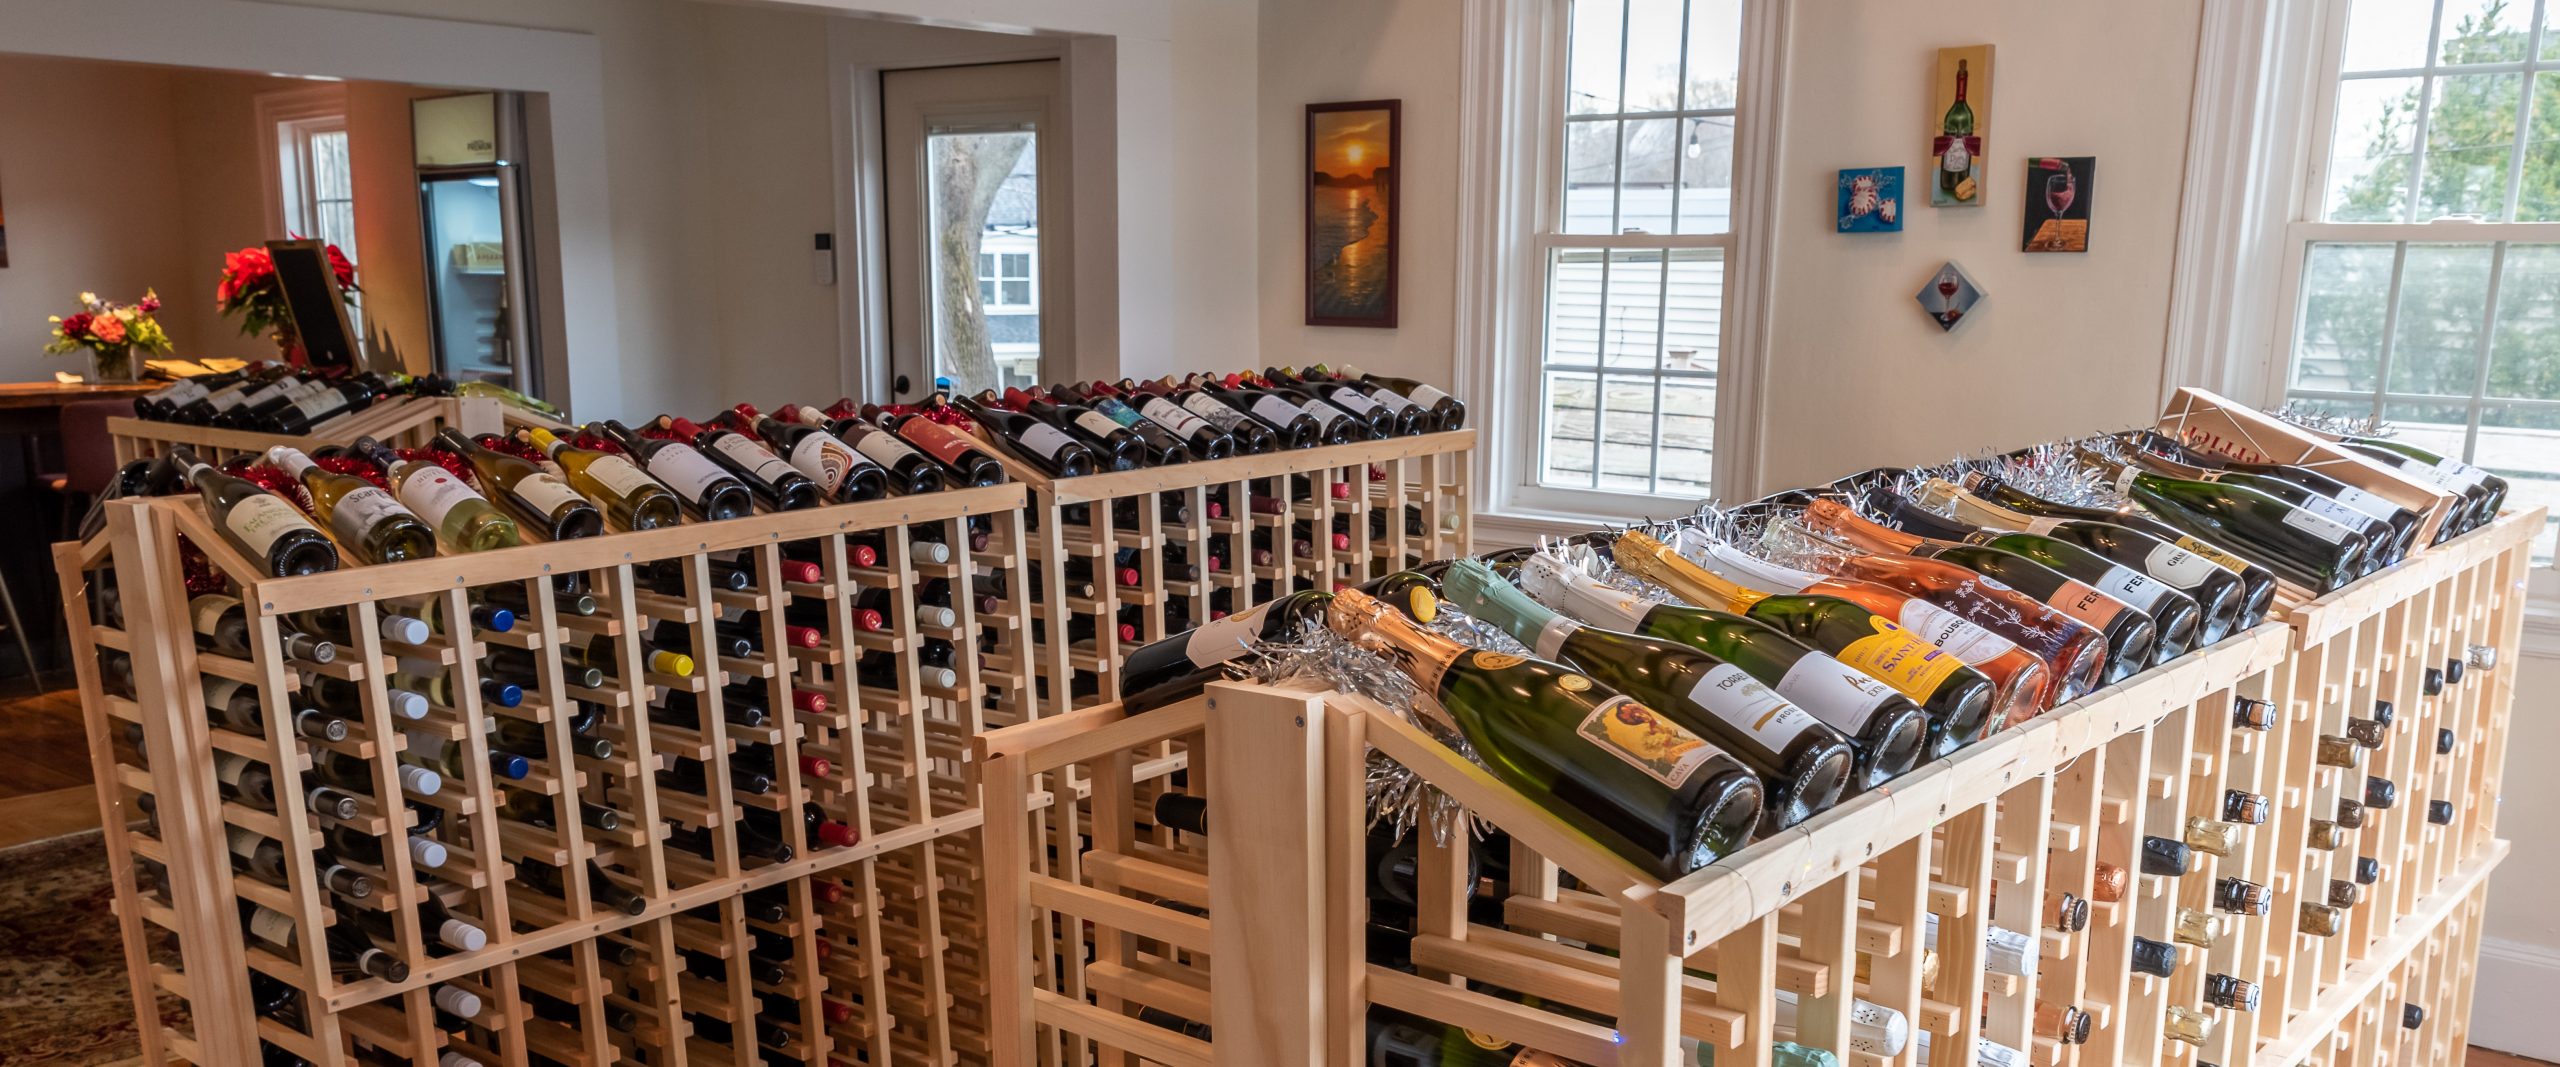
(2520, 951)
(1320, 51)
(2065, 343)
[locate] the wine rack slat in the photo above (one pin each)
(1830, 914)
(607, 939)
(1369, 508)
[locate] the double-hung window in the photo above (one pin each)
(2424, 261)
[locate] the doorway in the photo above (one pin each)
(976, 194)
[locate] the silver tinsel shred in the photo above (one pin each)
(2311, 418)
(1398, 798)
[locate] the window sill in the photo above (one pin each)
(1519, 526)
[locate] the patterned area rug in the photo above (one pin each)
(63, 997)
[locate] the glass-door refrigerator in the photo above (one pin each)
(471, 202)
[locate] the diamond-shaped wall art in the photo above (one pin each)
(1949, 296)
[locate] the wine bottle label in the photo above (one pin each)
(547, 494)
(1118, 412)
(1387, 398)
(617, 474)
(687, 471)
(880, 447)
(1219, 415)
(227, 399)
(180, 395)
(756, 458)
(824, 459)
(261, 519)
(1898, 658)
(1963, 640)
(1043, 439)
(1755, 709)
(1097, 424)
(2178, 567)
(1325, 413)
(2320, 526)
(321, 405)
(2334, 511)
(2216, 556)
(2131, 586)
(1351, 400)
(433, 492)
(273, 927)
(2379, 507)
(1834, 692)
(245, 842)
(1646, 741)
(1224, 639)
(2081, 602)
(2456, 475)
(939, 441)
(1166, 414)
(1550, 642)
(207, 611)
(1276, 411)
(363, 509)
(218, 693)
(1427, 396)
(230, 767)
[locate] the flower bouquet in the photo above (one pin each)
(250, 290)
(111, 333)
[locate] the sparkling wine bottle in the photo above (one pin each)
(2220, 591)
(2257, 583)
(2317, 553)
(2382, 540)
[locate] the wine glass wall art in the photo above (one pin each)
(1960, 119)
(1949, 295)
(1352, 210)
(1870, 200)
(2058, 194)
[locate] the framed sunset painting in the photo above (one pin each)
(1352, 212)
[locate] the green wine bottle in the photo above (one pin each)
(2257, 583)
(1657, 795)
(2404, 522)
(367, 519)
(2219, 590)
(2381, 538)
(1803, 764)
(2175, 616)
(2315, 553)
(2488, 491)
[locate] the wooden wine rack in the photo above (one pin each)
(400, 421)
(1119, 519)
(869, 952)
(1978, 839)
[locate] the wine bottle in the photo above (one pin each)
(1042, 445)
(1657, 795)
(352, 955)
(341, 397)
(841, 473)
(236, 705)
(2450, 474)
(265, 527)
(538, 497)
(1804, 765)
(451, 758)
(1196, 434)
(1116, 447)
(460, 516)
(262, 857)
(632, 499)
(1252, 437)
(1962, 701)
(956, 451)
(711, 493)
(366, 519)
(253, 783)
(1407, 418)
(1292, 426)
(1339, 426)
(1180, 666)
(2382, 539)
(2220, 591)
(2403, 521)
(2316, 553)
(1452, 414)
(1380, 420)
(221, 623)
(2257, 583)
(779, 485)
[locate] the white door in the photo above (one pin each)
(978, 252)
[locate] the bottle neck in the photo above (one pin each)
(1475, 589)
(1582, 596)
(1374, 626)
(2122, 477)
(1834, 517)
(1658, 563)
(291, 460)
(1974, 509)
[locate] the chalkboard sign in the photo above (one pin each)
(313, 301)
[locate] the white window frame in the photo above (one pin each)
(1030, 280)
(1511, 146)
(287, 119)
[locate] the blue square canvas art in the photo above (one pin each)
(1870, 200)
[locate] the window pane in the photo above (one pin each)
(1017, 264)
(2434, 427)
(983, 189)
(1644, 196)
(2538, 196)
(2522, 445)
(2524, 353)
(1630, 327)
(1695, 315)
(1591, 177)
(2369, 150)
(2471, 140)
(2345, 291)
(2387, 34)
(2483, 31)
(1626, 439)
(1572, 411)
(2344, 409)
(1573, 309)
(987, 290)
(2435, 339)
(1715, 52)
(1591, 74)
(986, 265)
(1706, 176)
(1653, 55)
(1688, 436)
(1017, 292)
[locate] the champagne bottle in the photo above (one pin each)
(2381, 538)
(1962, 702)
(2257, 583)
(263, 526)
(1659, 796)
(1804, 765)
(2488, 490)
(2316, 553)
(536, 496)
(459, 515)
(780, 486)
(2220, 591)
(632, 499)
(2404, 522)
(1042, 445)
(711, 493)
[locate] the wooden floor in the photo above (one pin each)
(2481, 1057)
(44, 766)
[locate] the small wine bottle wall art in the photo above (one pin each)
(1959, 121)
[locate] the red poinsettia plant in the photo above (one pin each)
(249, 289)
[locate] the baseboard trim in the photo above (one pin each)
(2511, 1000)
